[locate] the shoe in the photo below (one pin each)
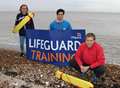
(22, 55)
(82, 74)
(96, 80)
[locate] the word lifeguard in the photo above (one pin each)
(53, 45)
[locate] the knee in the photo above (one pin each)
(99, 71)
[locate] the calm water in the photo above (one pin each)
(105, 25)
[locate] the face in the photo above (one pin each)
(24, 10)
(89, 41)
(60, 16)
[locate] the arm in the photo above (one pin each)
(100, 58)
(32, 24)
(16, 20)
(78, 56)
(51, 27)
(70, 27)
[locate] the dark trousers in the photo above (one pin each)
(98, 71)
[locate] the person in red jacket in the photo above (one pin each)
(90, 56)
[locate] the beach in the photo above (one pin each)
(19, 72)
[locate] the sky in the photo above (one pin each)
(69, 5)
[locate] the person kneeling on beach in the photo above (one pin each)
(89, 56)
(29, 25)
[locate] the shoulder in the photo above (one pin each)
(53, 22)
(98, 46)
(65, 21)
(19, 14)
(52, 25)
(82, 45)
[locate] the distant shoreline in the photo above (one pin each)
(71, 12)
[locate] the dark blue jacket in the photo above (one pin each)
(28, 25)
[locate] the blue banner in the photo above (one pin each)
(53, 47)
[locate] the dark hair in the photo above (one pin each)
(23, 6)
(91, 35)
(60, 10)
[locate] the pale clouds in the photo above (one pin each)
(71, 5)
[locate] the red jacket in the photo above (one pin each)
(93, 56)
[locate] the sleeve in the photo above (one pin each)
(78, 56)
(100, 59)
(51, 26)
(70, 27)
(16, 20)
(32, 24)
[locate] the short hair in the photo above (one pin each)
(60, 10)
(91, 35)
(23, 6)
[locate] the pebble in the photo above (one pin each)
(43, 74)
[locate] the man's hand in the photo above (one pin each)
(84, 68)
(31, 14)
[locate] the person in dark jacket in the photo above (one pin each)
(29, 25)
